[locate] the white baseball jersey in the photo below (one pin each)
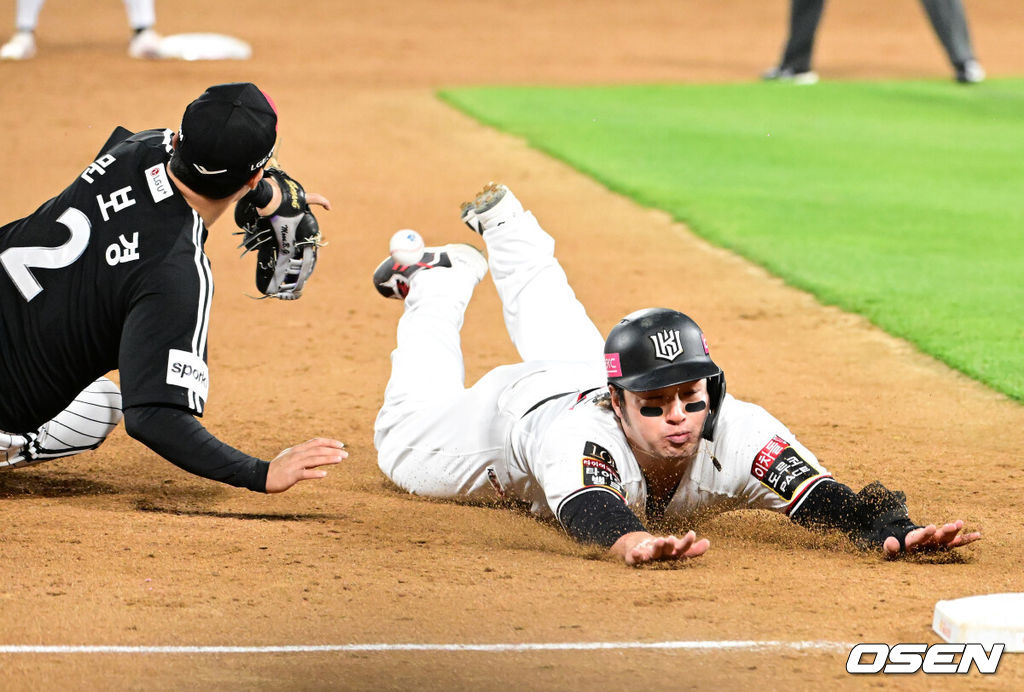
(571, 445)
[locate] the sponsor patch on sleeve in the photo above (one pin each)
(599, 469)
(187, 370)
(781, 469)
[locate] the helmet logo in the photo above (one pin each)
(667, 344)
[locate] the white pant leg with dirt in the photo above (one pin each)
(438, 439)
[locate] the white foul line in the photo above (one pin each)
(493, 648)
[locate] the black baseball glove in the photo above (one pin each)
(286, 241)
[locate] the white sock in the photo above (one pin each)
(26, 16)
(141, 13)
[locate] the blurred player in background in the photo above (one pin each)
(112, 273)
(145, 42)
(603, 442)
(947, 18)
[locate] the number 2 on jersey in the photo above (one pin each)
(18, 261)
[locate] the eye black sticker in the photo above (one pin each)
(655, 411)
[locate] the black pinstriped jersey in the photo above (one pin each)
(110, 274)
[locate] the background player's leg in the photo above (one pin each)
(26, 14)
(804, 17)
(83, 425)
(542, 314)
(949, 21)
(22, 45)
(146, 42)
(141, 14)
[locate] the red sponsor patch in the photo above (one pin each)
(767, 456)
(704, 341)
(611, 364)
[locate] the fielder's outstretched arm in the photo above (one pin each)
(181, 439)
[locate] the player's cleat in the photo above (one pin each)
(22, 46)
(392, 276)
(971, 72)
(145, 45)
(492, 206)
(788, 74)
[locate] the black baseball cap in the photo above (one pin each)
(226, 135)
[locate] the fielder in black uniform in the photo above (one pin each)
(948, 19)
(112, 274)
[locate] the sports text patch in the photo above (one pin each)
(781, 469)
(187, 370)
(599, 469)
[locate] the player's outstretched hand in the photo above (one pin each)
(302, 463)
(639, 547)
(931, 537)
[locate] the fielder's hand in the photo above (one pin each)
(931, 537)
(302, 463)
(639, 547)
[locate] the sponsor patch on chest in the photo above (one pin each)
(780, 468)
(188, 370)
(599, 469)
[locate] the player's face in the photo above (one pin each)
(665, 423)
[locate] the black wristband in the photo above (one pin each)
(261, 195)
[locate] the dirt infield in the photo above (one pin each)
(118, 547)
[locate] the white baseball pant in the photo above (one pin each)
(435, 437)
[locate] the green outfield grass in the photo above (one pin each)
(900, 201)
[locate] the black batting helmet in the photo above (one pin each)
(657, 347)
